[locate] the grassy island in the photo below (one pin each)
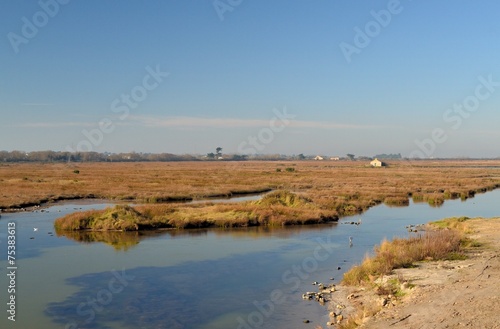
(275, 208)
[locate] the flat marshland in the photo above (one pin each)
(304, 191)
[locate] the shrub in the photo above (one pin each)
(418, 197)
(283, 198)
(434, 199)
(397, 201)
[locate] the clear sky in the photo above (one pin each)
(419, 78)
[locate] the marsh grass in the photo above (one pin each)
(323, 192)
(357, 319)
(461, 224)
(403, 253)
(124, 218)
(277, 208)
(457, 223)
(347, 187)
(400, 201)
(434, 199)
(446, 241)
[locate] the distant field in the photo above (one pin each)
(342, 187)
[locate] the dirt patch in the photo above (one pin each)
(440, 294)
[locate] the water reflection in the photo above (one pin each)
(118, 240)
(166, 297)
(123, 241)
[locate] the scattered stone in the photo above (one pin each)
(308, 295)
(306, 321)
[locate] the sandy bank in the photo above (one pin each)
(441, 294)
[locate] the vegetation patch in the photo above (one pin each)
(399, 201)
(283, 198)
(457, 223)
(446, 240)
(122, 218)
(347, 187)
(401, 253)
(276, 208)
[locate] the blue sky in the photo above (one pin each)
(220, 82)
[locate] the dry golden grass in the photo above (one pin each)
(330, 188)
(432, 245)
(277, 208)
(347, 187)
(447, 240)
(460, 224)
(357, 319)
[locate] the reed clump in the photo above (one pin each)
(401, 253)
(398, 201)
(123, 218)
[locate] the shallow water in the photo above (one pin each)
(210, 278)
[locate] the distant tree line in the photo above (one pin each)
(53, 156)
(389, 156)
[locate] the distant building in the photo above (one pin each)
(318, 157)
(377, 163)
(335, 158)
